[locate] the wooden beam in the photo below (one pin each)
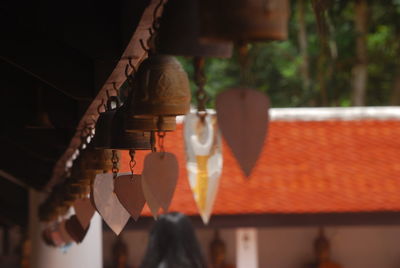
(132, 51)
(283, 220)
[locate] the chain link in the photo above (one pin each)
(132, 162)
(244, 62)
(161, 136)
(115, 161)
(153, 141)
(200, 80)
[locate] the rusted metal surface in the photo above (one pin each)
(162, 87)
(133, 51)
(238, 20)
(179, 32)
(150, 123)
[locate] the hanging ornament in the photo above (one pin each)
(96, 159)
(46, 236)
(55, 235)
(91, 197)
(180, 31)
(84, 211)
(159, 177)
(204, 160)
(126, 140)
(130, 193)
(122, 139)
(243, 118)
(128, 189)
(203, 148)
(75, 229)
(160, 88)
(102, 138)
(107, 203)
(151, 200)
(66, 237)
(244, 20)
(133, 122)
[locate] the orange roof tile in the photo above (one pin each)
(306, 167)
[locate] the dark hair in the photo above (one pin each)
(173, 244)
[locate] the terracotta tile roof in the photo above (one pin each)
(306, 167)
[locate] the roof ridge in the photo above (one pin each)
(328, 113)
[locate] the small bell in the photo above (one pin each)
(102, 138)
(124, 140)
(135, 123)
(161, 87)
(96, 159)
(180, 31)
(244, 20)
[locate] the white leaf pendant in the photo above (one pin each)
(107, 203)
(204, 160)
(243, 119)
(159, 178)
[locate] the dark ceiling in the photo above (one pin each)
(54, 58)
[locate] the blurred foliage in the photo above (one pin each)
(275, 65)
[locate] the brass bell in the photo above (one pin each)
(73, 189)
(124, 140)
(244, 20)
(135, 123)
(70, 193)
(102, 138)
(96, 159)
(180, 31)
(161, 87)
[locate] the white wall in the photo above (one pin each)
(352, 247)
(88, 254)
(137, 243)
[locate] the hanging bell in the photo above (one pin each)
(136, 123)
(74, 189)
(180, 31)
(96, 159)
(147, 123)
(102, 138)
(161, 87)
(244, 20)
(124, 140)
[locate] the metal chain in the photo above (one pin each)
(244, 62)
(153, 141)
(132, 162)
(200, 80)
(161, 136)
(115, 160)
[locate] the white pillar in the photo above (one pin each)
(246, 248)
(88, 254)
